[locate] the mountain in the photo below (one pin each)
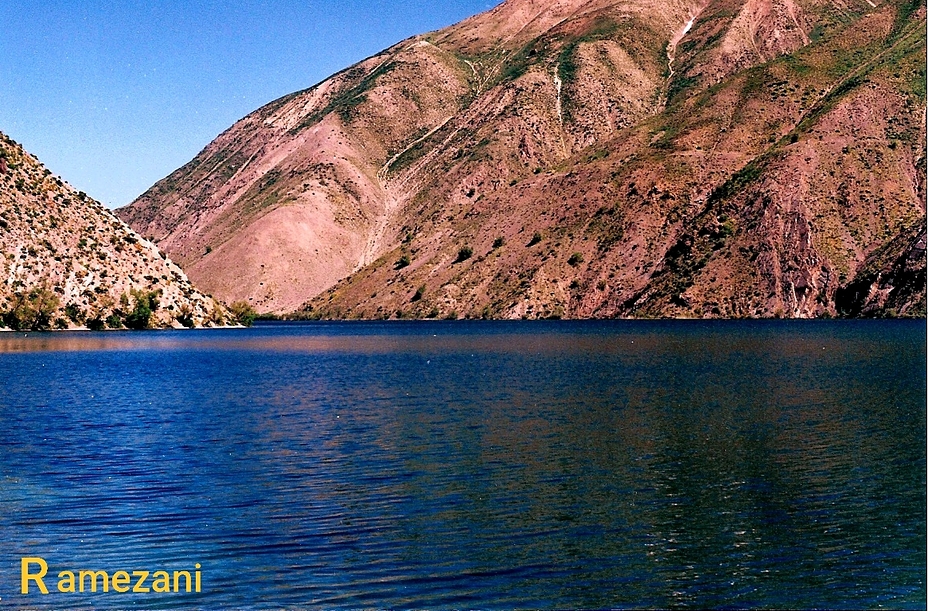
(721, 158)
(67, 262)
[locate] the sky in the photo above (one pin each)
(113, 95)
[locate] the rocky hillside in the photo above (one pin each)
(720, 158)
(67, 262)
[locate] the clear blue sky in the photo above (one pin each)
(113, 95)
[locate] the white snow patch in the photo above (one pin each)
(672, 47)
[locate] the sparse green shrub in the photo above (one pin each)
(74, 313)
(498, 243)
(575, 259)
(185, 316)
(243, 313)
(216, 315)
(404, 261)
(419, 293)
(536, 239)
(465, 253)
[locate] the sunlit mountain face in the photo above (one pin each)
(729, 158)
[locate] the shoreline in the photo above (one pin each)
(88, 330)
(418, 321)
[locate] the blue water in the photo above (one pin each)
(472, 465)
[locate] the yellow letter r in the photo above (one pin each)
(37, 577)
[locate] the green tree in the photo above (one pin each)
(32, 310)
(146, 303)
(243, 313)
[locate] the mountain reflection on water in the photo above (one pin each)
(473, 465)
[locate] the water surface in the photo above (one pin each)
(473, 465)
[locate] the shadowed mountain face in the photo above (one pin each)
(67, 262)
(716, 158)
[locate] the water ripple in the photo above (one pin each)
(488, 466)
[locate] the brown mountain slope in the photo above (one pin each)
(667, 154)
(67, 261)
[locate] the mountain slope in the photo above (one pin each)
(715, 158)
(68, 262)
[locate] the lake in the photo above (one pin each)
(475, 465)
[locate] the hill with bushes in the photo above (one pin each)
(67, 262)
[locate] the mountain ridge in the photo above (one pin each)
(387, 172)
